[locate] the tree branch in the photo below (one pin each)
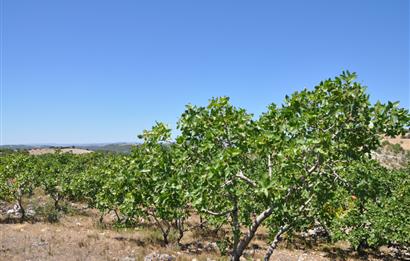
(226, 183)
(345, 182)
(244, 178)
(313, 168)
(252, 230)
(275, 242)
(213, 213)
(281, 231)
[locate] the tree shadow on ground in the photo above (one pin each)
(8, 219)
(334, 252)
(137, 242)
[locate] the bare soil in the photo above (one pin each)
(404, 143)
(78, 236)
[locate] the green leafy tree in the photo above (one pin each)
(377, 210)
(284, 167)
(313, 140)
(156, 189)
(216, 142)
(89, 177)
(115, 178)
(18, 178)
(56, 173)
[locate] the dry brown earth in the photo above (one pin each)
(404, 143)
(79, 237)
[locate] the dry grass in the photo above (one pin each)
(77, 236)
(404, 143)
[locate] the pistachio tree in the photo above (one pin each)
(281, 169)
(377, 210)
(156, 189)
(217, 145)
(311, 143)
(88, 179)
(112, 182)
(56, 171)
(18, 178)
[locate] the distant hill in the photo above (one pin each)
(22, 147)
(113, 147)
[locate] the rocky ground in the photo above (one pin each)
(394, 152)
(78, 236)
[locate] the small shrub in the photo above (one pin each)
(53, 216)
(385, 143)
(48, 212)
(223, 246)
(396, 148)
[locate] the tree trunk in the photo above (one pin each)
(361, 247)
(363, 242)
(270, 166)
(22, 210)
(117, 215)
(56, 204)
(165, 238)
(201, 224)
(275, 242)
(165, 233)
(235, 229)
(243, 244)
(181, 230)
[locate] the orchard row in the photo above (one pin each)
(304, 163)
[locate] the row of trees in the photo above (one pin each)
(302, 163)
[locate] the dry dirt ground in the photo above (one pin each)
(404, 143)
(391, 158)
(78, 236)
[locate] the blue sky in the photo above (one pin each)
(102, 71)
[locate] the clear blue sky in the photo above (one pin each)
(102, 71)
